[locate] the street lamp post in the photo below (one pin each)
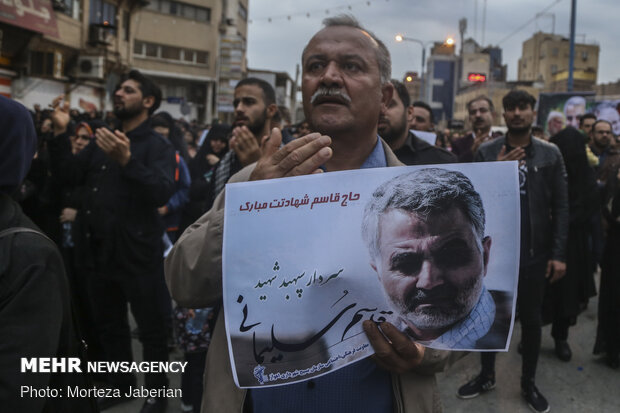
(400, 38)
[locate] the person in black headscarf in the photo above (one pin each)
(35, 308)
(201, 169)
(172, 211)
(174, 133)
(565, 299)
(608, 330)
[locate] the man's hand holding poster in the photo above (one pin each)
(434, 251)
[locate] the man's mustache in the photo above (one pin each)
(420, 296)
(323, 91)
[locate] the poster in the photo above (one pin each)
(565, 108)
(568, 107)
(304, 265)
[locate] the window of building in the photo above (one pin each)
(202, 57)
(169, 52)
(138, 48)
(243, 12)
(153, 5)
(176, 8)
(126, 24)
(203, 15)
(188, 55)
(146, 49)
(69, 7)
(584, 55)
(102, 12)
(151, 50)
(555, 52)
(554, 69)
(41, 63)
(189, 12)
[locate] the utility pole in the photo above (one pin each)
(571, 56)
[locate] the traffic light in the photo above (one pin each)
(477, 77)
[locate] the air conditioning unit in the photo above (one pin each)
(90, 67)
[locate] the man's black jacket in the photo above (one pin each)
(120, 205)
(415, 151)
(547, 196)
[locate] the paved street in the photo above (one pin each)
(584, 385)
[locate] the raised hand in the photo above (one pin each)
(516, 154)
(60, 115)
(114, 144)
(302, 156)
(245, 145)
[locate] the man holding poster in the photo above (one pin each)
(345, 87)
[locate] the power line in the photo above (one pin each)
(316, 12)
(528, 22)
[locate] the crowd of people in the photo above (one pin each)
(119, 192)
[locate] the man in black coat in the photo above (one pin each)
(544, 229)
(408, 148)
(129, 173)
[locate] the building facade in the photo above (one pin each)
(545, 58)
(441, 81)
(81, 47)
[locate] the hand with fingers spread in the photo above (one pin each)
(302, 156)
(555, 270)
(515, 154)
(60, 115)
(114, 144)
(245, 145)
(394, 351)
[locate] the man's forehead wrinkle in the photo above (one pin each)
(324, 36)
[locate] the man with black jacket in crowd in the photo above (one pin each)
(544, 231)
(407, 147)
(129, 173)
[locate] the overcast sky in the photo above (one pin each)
(277, 45)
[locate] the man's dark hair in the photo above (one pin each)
(537, 129)
(269, 95)
(384, 60)
(482, 97)
(586, 116)
(516, 98)
(147, 87)
(602, 121)
(403, 94)
(425, 192)
(424, 105)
